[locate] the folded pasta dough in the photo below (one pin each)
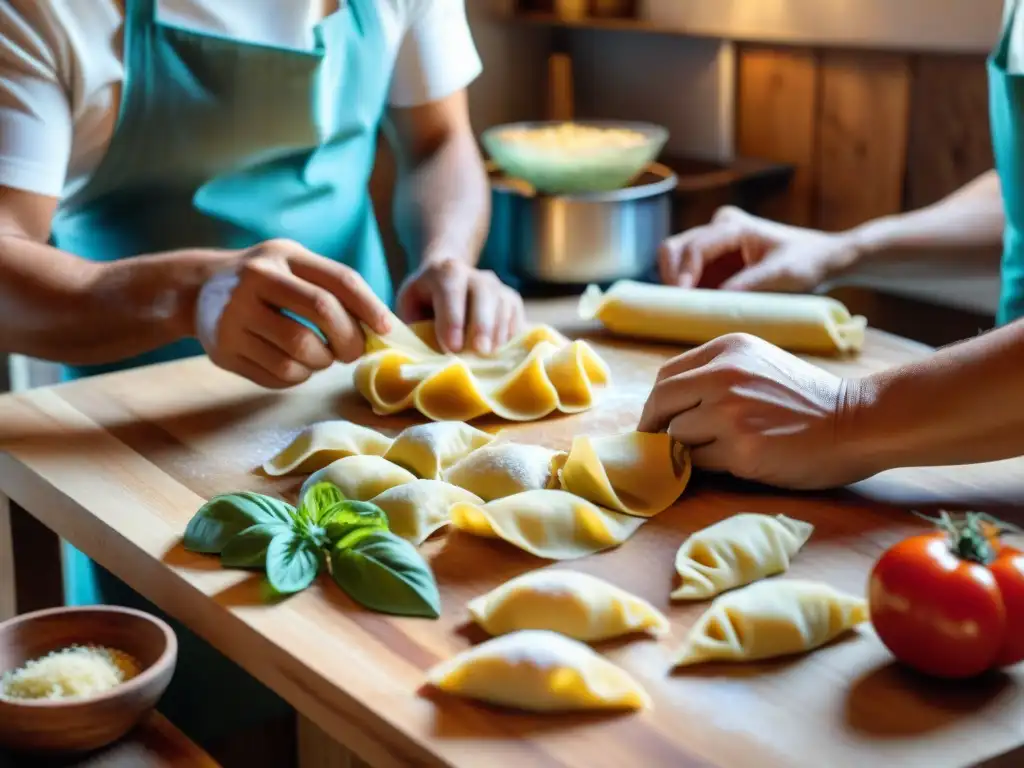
(736, 551)
(574, 604)
(360, 478)
(538, 671)
(551, 524)
(427, 450)
(772, 618)
(538, 372)
(497, 471)
(799, 323)
(319, 444)
(416, 510)
(639, 473)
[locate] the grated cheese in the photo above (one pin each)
(76, 671)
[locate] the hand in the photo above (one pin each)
(748, 408)
(776, 257)
(241, 328)
(465, 302)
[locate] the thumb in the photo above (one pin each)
(761, 276)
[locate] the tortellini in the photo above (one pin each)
(497, 471)
(639, 473)
(574, 604)
(768, 619)
(416, 510)
(427, 450)
(360, 478)
(539, 671)
(320, 444)
(738, 550)
(533, 375)
(551, 524)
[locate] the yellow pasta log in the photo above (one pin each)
(551, 524)
(535, 374)
(427, 450)
(799, 323)
(541, 672)
(319, 444)
(416, 510)
(768, 619)
(574, 604)
(638, 473)
(736, 551)
(360, 478)
(496, 471)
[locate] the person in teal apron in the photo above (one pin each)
(754, 411)
(262, 154)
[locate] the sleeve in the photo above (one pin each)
(35, 114)
(437, 56)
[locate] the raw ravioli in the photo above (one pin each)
(506, 469)
(738, 550)
(772, 618)
(319, 444)
(574, 604)
(541, 672)
(427, 450)
(360, 478)
(552, 524)
(416, 510)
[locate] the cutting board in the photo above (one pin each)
(131, 457)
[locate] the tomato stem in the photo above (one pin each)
(971, 537)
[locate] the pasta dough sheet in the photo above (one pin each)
(416, 510)
(538, 671)
(322, 443)
(693, 316)
(533, 375)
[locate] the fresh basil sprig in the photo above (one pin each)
(378, 569)
(385, 573)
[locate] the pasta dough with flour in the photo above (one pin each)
(427, 450)
(416, 510)
(319, 444)
(574, 604)
(360, 478)
(533, 375)
(768, 619)
(736, 551)
(639, 473)
(693, 316)
(551, 524)
(538, 671)
(497, 471)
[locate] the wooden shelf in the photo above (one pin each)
(594, 22)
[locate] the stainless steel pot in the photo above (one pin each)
(586, 238)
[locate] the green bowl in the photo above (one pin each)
(552, 170)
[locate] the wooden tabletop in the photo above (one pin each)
(118, 465)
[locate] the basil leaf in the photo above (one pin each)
(293, 562)
(385, 573)
(225, 516)
(348, 516)
(249, 548)
(318, 500)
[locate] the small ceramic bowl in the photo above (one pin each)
(84, 724)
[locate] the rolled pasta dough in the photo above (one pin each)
(768, 619)
(538, 671)
(799, 323)
(738, 550)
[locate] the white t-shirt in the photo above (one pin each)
(61, 69)
(1015, 52)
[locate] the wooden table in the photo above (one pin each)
(117, 465)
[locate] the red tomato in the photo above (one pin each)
(950, 603)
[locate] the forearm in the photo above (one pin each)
(443, 201)
(968, 222)
(56, 306)
(961, 405)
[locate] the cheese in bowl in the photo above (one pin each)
(574, 157)
(72, 672)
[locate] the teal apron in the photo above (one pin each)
(1006, 107)
(225, 144)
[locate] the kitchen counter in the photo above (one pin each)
(119, 464)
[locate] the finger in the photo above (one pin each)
(669, 398)
(689, 360)
(707, 246)
(517, 322)
(292, 338)
(503, 318)
(668, 258)
(271, 359)
(694, 428)
(484, 301)
(256, 373)
(346, 285)
(450, 307)
(411, 305)
(317, 305)
(765, 277)
(713, 457)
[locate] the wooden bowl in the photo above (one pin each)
(80, 725)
